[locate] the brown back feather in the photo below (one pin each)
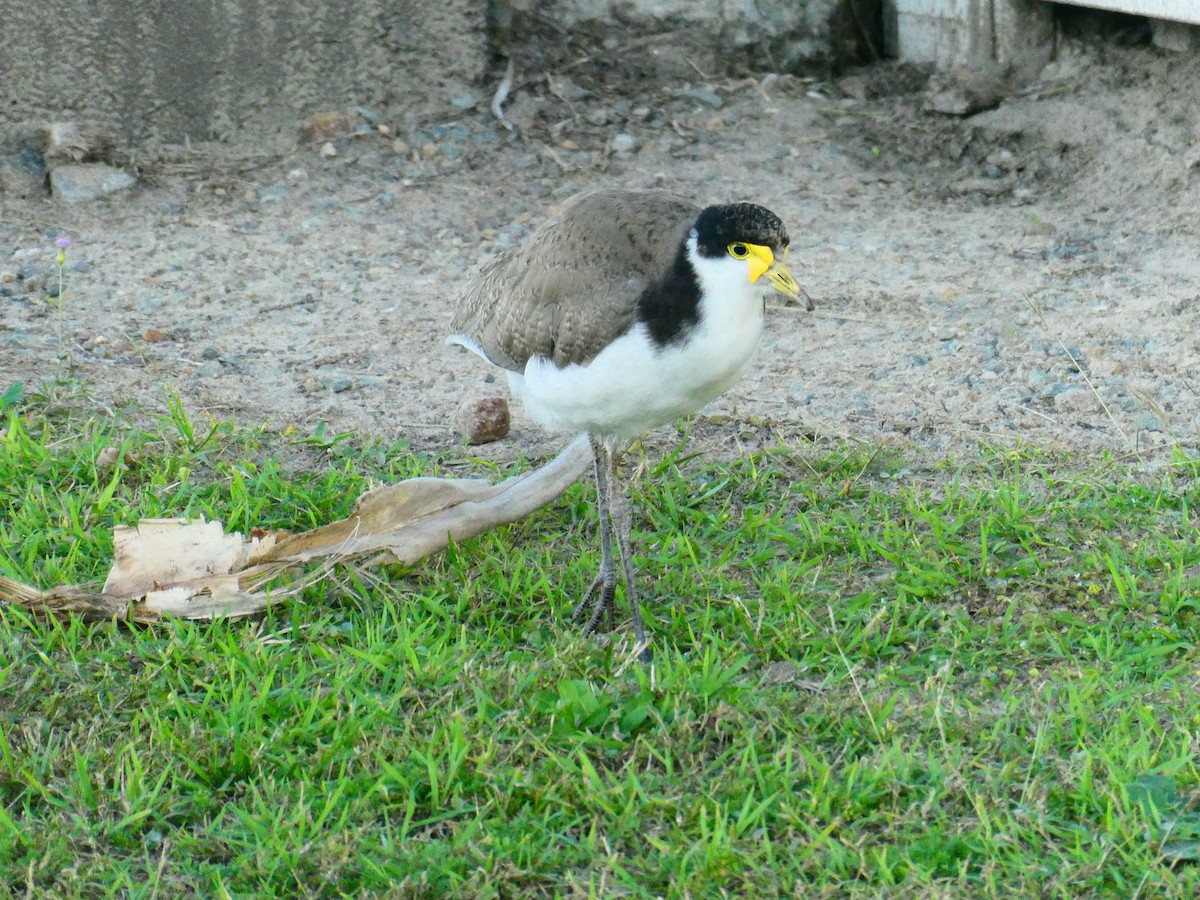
(572, 287)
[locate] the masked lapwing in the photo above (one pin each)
(626, 311)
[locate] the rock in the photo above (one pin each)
(960, 92)
(325, 127)
(65, 143)
(87, 181)
(623, 143)
(704, 95)
(155, 336)
(1176, 37)
(340, 385)
(22, 175)
(989, 187)
(1148, 421)
(328, 151)
(1076, 400)
(482, 421)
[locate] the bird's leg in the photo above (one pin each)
(606, 579)
(622, 525)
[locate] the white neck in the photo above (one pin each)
(727, 296)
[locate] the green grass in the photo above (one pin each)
(975, 681)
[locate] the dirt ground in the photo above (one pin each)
(1027, 274)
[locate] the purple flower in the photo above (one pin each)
(63, 242)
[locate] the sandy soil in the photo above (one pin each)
(1024, 275)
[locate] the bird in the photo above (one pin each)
(625, 311)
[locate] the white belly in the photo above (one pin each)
(633, 386)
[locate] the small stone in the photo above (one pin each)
(1147, 421)
(155, 336)
(780, 672)
(87, 181)
(623, 143)
(597, 116)
(22, 176)
(121, 344)
(340, 385)
(1076, 400)
(960, 92)
(464, 101)
(705, 96)
(429, 151)
(328, 151)
(854, 87)
(324, 127)
(65, 142)
(990, 187)
(210, 353)
(482, 421)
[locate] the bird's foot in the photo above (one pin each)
(599, 596)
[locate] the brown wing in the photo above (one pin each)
(572, 287)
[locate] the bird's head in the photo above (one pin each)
(754, 236)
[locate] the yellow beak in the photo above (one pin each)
(762, 262)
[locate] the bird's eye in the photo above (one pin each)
(739, 251)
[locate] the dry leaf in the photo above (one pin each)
(193, 570)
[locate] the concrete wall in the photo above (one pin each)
(682, 38)
(1019, 34)
(169, 69)
(1016, 33)
(164, 70)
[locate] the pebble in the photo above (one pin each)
(1147, 421)
(17, 179)
(510, 234)
(210, 353)
(328, 151)
(704, 95)
(154, 336)
(482, 421)
(323, 127)
(1076, 400)
(87, 181)
(340, 385)
(623, 143)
